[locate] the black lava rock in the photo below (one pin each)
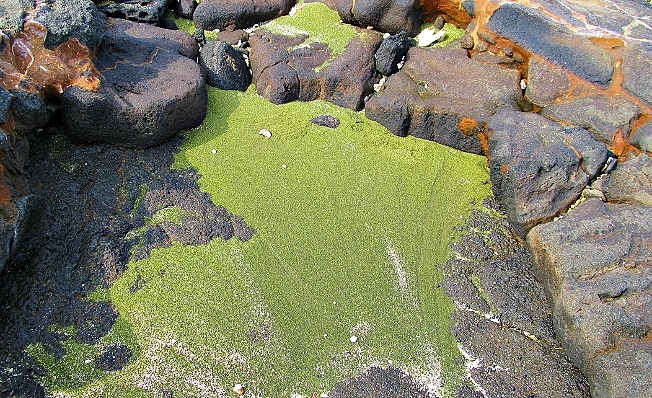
(391, 51)
(225, 67)
(114, 358)
(326, 121)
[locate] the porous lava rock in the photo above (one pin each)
(145, 11)
(151, 88)
(391, 16)
(595, 264)
(538, 167)
(602, 115)
(65, 20)
(284, 69)
(225, 66)
(13, 14)
(185, 8)
(539, 34)
(442, 95)
(220, 14)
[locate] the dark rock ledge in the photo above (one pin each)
(552, 95)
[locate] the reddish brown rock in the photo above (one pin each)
(444, 96)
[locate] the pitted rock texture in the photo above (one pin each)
(538, 167)
(221, 14)
(630, 182)
(151, 88)
(604, 116)
(65, 20)
(595, 264)
(284, 70)
(390, 16)
(555, 42)
(147, 11)
(444, 96)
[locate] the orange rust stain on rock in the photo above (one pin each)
(504, 168)
(484, 143)
(608, 43)
(24, 59)
(468, 126)
(621, 147)
(451, 10)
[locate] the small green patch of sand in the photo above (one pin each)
(351, 223)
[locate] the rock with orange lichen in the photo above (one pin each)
(150, 89)
(442, 95)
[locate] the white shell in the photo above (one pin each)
(238, 389)
(265, 133)
(429, 36)
(354, 339)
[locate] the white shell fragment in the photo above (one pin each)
(265, 133)
(429, 37)
(354, 339)
(379, 85)
(238, 389)
(523, 84)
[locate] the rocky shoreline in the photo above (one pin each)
(557, 96)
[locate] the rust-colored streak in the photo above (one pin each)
(451, 10)
(484, 143)
(468, 126)
(621, 146)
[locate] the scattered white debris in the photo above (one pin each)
(324, 395)
(523, 84)
(293, 10)
(354, 339)
(379, 85)
(238, 389)
(428, 37)
(370, 27)
(400, 64)
(265, 133)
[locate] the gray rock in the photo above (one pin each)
(642, 137)
(384, 15)
(146, 11)
(594, 263)
(442, 95)
(220, 14)
(637, 58)
(5, 104)
(538, 167)
(391, 52)
(225, 66)
(631, 182)
(545, 82)
(539, 34)
(66, 20)
(185, 8)
(30, 111)
(602, 115)
(13, 13)
(284, 71)
(149, 91)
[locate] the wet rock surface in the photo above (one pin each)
(538, 167)
(444, 96)
(151, 88)
(85, 238)
(595, 264)
(555, 42)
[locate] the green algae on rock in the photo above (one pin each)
(351, 223)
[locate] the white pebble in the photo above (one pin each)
(265, 133)
(386, 36)
(523, 84)
(285, 166)
(238, 389)
(354, 339)
(214, 151)
(429, 36)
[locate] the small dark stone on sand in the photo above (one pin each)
(326, 121)
(114, 358)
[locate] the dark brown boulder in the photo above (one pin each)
(390, 16)
(442, 95)
(220, 14)
(150, 89)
